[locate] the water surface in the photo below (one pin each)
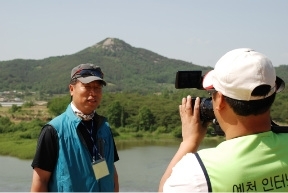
(140, 167)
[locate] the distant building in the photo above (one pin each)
(17, 99)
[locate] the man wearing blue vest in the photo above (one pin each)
(253, 158)
(76, 150)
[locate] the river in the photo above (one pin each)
(140, 168)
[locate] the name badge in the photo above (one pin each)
(100, 168)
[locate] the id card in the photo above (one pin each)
(100, 168)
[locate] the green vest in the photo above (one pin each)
(253, 163)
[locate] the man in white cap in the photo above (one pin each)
(253, 158)
(76, 150)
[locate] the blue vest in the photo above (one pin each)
(73, 171)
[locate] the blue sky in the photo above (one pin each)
(193, 31)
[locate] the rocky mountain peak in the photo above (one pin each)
(112, 44)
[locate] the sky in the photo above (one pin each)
(190, 30)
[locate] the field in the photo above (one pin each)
(25, 113)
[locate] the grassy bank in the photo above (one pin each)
(16, 147)
(20, 141)
(13, 145)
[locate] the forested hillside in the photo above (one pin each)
(125, 68)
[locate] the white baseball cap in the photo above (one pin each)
(239, 72)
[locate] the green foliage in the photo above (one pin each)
(5, 125)
(177, 133)
(14, 108)
(114, 132)
(28, 104)
(138, 134)
(115, 114)
(146, 119)
(140, 94)
(19, 139)
(31, 129)
(126, 68)
(162, 111)
(279, 109)
(58, 105)
(154, 112)
(161, 129)
(26, 129)
(21, 148)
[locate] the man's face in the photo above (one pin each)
(86, 97)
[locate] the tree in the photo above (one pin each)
(114, 114)
(5, 124)
(146, 119)
(14, 108)
(57, 105)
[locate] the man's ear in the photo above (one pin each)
(71, 89)
(220, 101)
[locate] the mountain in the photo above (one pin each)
(125, 68)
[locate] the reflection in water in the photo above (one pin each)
(141, 165)
(15, 174)
(141, 168)
(122, 145)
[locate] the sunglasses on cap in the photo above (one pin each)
(87, 72)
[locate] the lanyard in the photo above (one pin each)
(95, 150)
